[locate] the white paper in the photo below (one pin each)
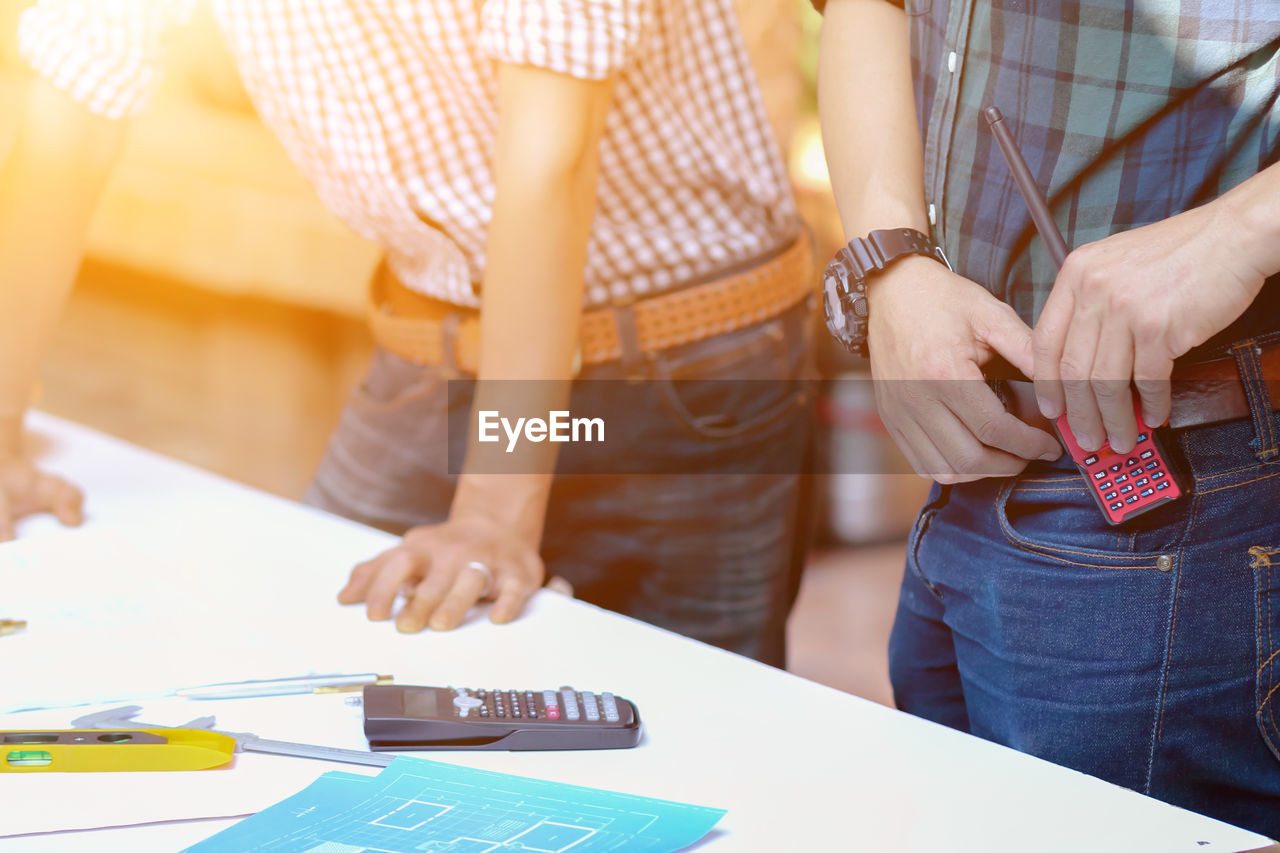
(48, 802)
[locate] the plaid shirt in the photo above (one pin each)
(391, 110)
(1126, 112)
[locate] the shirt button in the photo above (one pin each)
(952, 59)
(933, 214)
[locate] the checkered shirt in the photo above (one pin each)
(1126, 112)
(390, 109)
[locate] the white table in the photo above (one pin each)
(180, 577)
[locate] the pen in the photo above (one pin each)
(284, 686)
(12, 626)
(1027, 186)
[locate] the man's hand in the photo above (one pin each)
(26, 490)
(930, 333)
(430, 565)
(1125, 307)
(495, 520)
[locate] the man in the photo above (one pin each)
(558, 183)
(1148, 653)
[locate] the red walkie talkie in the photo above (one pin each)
(1122, 484)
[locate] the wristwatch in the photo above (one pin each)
(844, 284)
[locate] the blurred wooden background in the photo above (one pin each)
(219, 317)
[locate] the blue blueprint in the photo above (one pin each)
(419, 806)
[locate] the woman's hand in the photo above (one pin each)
(26, 490)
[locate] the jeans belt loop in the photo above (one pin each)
(449, 344)
(1249, 360)
(632, 357)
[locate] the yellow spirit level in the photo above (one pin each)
(90, 750)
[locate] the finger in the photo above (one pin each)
(979, 409)
(926, 432)
(1047, 343)
(513, 592)
(556, 584)
(468, 586)
(908, 452)
(999, 327)
(515, 589)
(361, 576)
(905, 417)
(967, 456)
(1152, 368)
(400, 566)
(7, 531)
(929, 461)
(1077, 370)
(891, 415)
(63, 499)
(1112, 371)
(426, 598)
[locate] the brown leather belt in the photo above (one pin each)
(1209, 392)
(416, 327)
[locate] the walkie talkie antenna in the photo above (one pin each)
(1031, 194)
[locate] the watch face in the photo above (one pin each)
(844, 283)
(833, 308)
(844, 305)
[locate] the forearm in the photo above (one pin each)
(865, 102)
(1254, 210)
(49, 187)
(532, 297)
(533, 283)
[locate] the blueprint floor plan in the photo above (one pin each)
(419, 806)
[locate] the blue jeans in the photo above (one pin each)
(1146, 654)
(710, 546)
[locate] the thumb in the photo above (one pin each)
(1000, 328)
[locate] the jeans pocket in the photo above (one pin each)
(713, 412)
(937, 499)
(1057, 518)
(740, 384)
(1266, 568)
(391, 383)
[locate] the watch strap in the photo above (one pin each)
(845, 280)
(881, 248)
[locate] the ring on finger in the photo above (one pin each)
(483, 569)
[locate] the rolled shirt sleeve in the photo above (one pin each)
(106, 54)
(587, 39)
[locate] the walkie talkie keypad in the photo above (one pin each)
(1128, 486)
